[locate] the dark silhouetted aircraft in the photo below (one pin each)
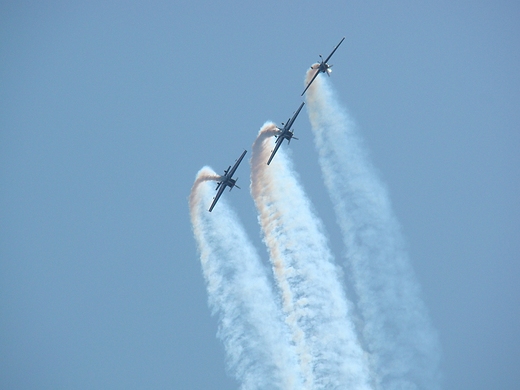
(285, 133)
(227, 181)
(323, 67)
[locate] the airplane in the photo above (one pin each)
(323, 67)
(227, 181)
(285, 133)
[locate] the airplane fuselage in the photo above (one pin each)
(226, 182)
(322, 67)
(286, 134)
(230, 182)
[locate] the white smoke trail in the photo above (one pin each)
(397, 331)
(259, 350)
(312, 296)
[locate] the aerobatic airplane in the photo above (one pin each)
(227, 180)
(323, 67)
(285, 133)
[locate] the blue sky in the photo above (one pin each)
(109, 109)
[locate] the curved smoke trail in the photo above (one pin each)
(313, 300)
(397, 331)
(257, 342)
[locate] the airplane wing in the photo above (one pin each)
(277, 146)
(310, 82)
(330, 55)
(232, 171)
(217, 197)
(291, 121)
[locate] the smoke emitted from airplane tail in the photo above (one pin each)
(309, 76)
(313, 300)
(311, 72)
(205, 174)
(259, 350)
(397, 330)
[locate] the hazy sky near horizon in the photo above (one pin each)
(109, 109)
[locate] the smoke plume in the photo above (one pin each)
(259, 350)
(403, 346)
(314, 302)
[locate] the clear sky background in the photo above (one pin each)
(108, 109)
